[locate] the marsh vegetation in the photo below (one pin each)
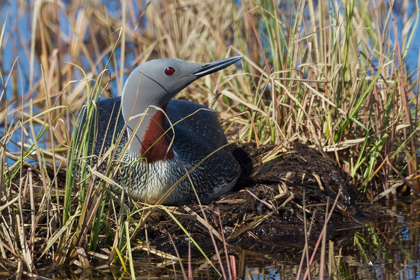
(340, 77)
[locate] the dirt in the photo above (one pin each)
(264, 212)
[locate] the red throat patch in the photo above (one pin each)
(152, 149)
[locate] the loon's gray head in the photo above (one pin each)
(153, 84)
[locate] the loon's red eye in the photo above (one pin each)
(169, 71)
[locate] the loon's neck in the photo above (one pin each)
(150, 142)
(154, 149)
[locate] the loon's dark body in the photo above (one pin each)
(195, 138)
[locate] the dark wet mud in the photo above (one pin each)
(265, 212)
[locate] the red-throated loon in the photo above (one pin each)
(158, 160)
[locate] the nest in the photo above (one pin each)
(267, 209)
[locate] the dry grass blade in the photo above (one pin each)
(158, 253)
(320, 238)
(259, 220)
(179, 259)
(202, 221)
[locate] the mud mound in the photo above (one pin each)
(265, 210)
